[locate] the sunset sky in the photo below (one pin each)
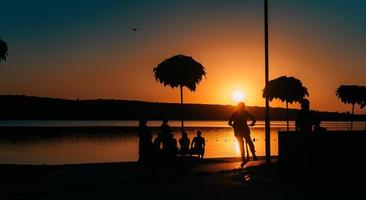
(87, 49)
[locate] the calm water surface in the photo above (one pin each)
(84, 147)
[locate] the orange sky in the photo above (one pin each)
(103, 58)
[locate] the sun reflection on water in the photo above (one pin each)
(118, 147)
(236, 147)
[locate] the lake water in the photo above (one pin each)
(103, 146)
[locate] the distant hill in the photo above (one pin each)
(21, 107)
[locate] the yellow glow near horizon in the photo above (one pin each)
(236, 147)
(238, 96)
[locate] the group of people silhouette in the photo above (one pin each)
(164, 147)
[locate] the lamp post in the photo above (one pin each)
(267, 123)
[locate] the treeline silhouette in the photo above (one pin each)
(21, 107)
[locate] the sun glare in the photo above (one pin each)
(238, 95)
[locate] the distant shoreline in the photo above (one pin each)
(21, 107)
(105, 129)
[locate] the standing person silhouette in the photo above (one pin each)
(161, 142)
(238, 120)
(165, 128)
(306, 120)
(145, 142)
(198, 145)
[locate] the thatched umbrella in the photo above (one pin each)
(180, 71)
(352, 94)
(3, 50)
(287, 89)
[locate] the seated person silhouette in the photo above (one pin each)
(184, 142)
(306, 119)
(159, 146)
(171, 147)
(198, 145)
(161, 141)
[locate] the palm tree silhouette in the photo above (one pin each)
(180, 71)
(3, 50)
(287, 89)
(352, 94)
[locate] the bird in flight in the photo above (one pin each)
(134, 28)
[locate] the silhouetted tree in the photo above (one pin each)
(3, 50)
(352, 94)
(180, 71)
(287, 89)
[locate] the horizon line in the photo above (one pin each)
(144, 101)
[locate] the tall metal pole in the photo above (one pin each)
(267, 129)
(181, 108)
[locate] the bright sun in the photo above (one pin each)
(238, 95)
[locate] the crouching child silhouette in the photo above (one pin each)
(198, 145)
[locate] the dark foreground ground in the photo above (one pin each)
(185, 179)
